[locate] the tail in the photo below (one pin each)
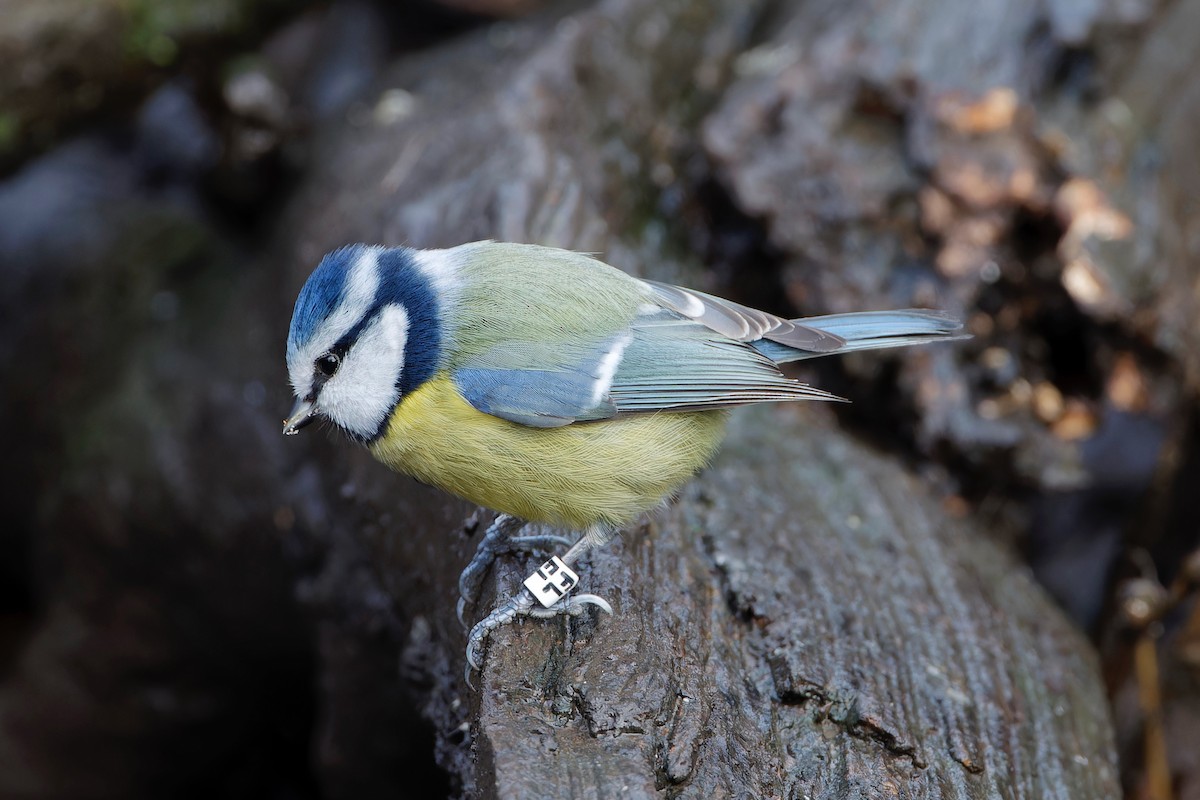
(871, 330)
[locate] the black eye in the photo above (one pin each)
(328, 364)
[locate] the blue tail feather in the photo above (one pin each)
(871, 330)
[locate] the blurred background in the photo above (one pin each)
(174, 579)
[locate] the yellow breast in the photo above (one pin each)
(575, 476)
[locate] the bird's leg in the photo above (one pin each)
(593, 538)
(525, 604)
(498, 539)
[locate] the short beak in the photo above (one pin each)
(304, 412)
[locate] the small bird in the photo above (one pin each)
(545, 384)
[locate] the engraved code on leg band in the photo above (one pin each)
(551, 582)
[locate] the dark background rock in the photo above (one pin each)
(191, 605)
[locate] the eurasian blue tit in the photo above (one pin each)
(546, 384)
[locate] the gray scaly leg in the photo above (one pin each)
(523, 603)
(498, 540)
(593, 539)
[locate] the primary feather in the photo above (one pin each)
(870, 330)
(743, 323)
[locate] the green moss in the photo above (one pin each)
(151, 20)
(158, 27)
(10, 131)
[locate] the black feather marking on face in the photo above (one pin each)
(402, 283)
(405, 285)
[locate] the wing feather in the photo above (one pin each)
(675, 363)
(663, 362)
(742, 323)
(684, 351)
(543, 386)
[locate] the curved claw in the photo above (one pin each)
(592, 599)
(460, 610)
(472, 575)
(573, 607)
(522, 605)
(464, 588)
(517, 606)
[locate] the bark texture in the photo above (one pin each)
(805, 623)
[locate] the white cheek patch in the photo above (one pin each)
(361, 394)
(362, 282)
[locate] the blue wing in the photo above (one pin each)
(541, 385)
(674, 363)
(685, 350)
(661, 362)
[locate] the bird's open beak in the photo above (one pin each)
(304, 412)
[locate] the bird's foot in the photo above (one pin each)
(523, 604)
(499, 539)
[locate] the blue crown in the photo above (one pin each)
(321, 294)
